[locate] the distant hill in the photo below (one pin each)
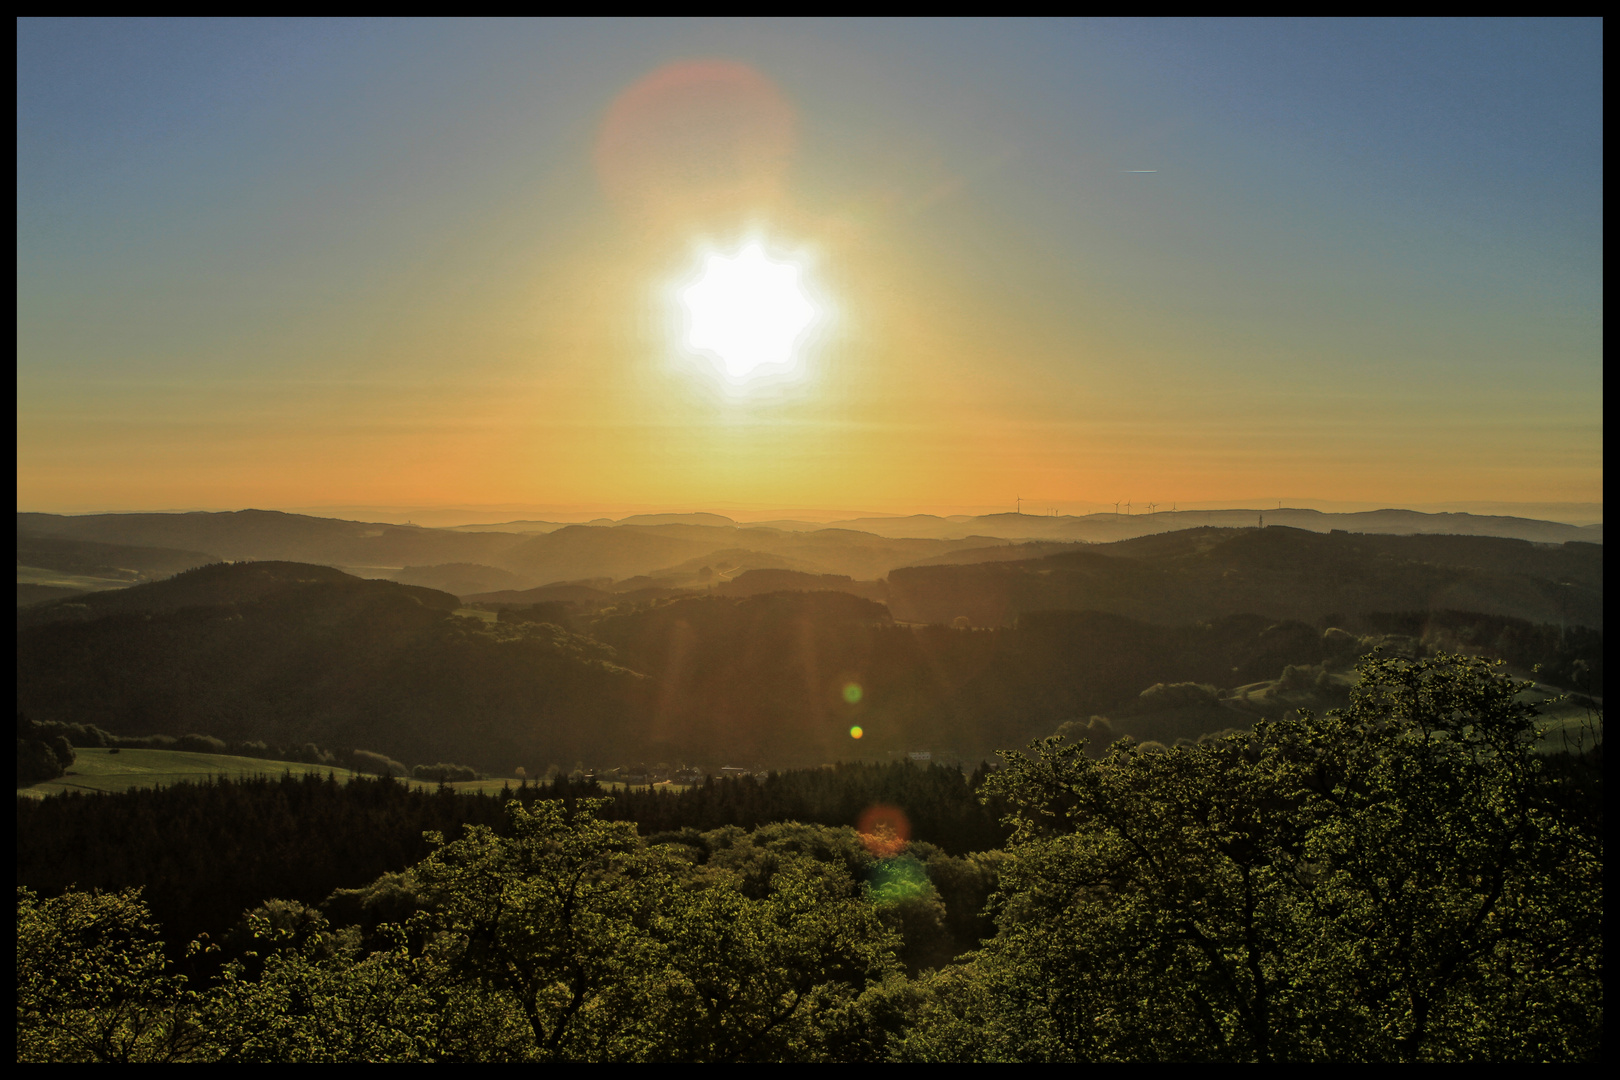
(226, 584)
(678, 519)
(518, 527)
(271, 535)
(589, 551)
(661, 551)
(591, 593)
(1006, 551)
(1199, 574)
(756, 582)
(30, 593)
(1106, 528)
(289, 652)
(462, 579)
(94, 559)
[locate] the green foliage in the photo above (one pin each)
(42, 751)
(365, 761)
(1173, 695)
(36, 762)
(303, 994)
(568, 940)
(200, 744)
(612, 952)
(1402, 880)
(92, 982)
(1387, 883)
(445, 773)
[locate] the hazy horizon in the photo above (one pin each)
(754, 267)
(450, 516)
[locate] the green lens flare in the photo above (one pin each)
(852, 693)
(899, 878)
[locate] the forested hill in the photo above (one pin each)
(228, 585)
(269, 534)
(1280, 573)
(703, 552)
(289, 653)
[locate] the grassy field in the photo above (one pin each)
(100, 769)
(34, 575)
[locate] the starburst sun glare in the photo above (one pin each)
(747, 311)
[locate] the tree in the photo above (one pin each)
(547, 921)
(92, 982)
(1394, 882)
(311, 997)
(606, 950)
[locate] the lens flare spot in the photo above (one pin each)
(697, 141)
(856, 732)
(853, 693)
(884, 830)
(899, 878)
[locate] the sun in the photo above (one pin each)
(748, 312)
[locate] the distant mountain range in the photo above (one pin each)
(1105, 528)
(663, 551)
(1199, 574)
(775, 667)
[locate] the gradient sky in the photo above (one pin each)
(304, 263)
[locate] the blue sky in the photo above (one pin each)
(291, 262)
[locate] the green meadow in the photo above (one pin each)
(102, 769)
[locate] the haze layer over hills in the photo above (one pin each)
(669, 551)
(683, 641)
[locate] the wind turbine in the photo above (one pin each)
(1127, 509)
(1116, 509)
(1151, 508)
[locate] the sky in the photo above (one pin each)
(445, 263)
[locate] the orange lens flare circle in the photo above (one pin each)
(884, 830)
(696, 137)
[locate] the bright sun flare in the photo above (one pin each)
(748, 311)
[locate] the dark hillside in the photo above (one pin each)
(461, 579)
(757, 678)
(1200, 574)
(574, 552)
(592, 593)
(227, 584)
(767, 679)
(754, 582)
(269, 534)
(94, 559)
(290, 653)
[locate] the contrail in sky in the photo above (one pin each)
(1139, 170)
